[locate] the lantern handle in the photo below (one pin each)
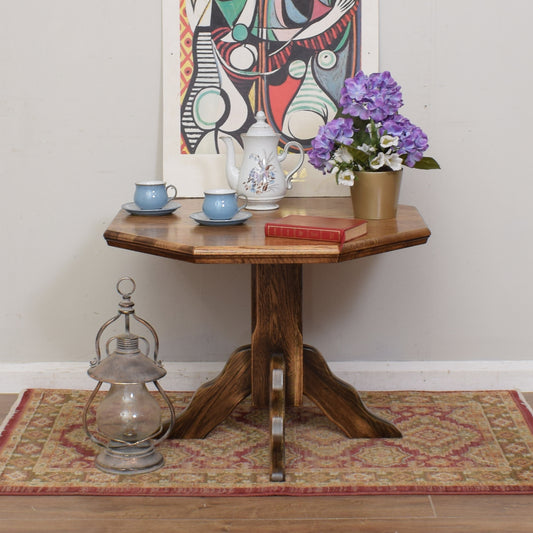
(126, 309)
(99, 442)
(99, 336)
(172, 414)
(153, 332)
(126, 295)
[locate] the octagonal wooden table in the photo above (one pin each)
(276, 368)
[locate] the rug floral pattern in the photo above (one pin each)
(453, 442)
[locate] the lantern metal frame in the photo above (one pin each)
(120, 456)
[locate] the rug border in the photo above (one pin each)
(280, 489)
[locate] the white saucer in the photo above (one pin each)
(132, 208)
(203, 219)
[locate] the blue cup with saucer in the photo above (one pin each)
(222, 204)
(152, 195)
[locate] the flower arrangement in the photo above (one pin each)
(369, 134)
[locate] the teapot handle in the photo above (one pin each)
(283, 155)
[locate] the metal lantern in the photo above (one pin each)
(128, 419)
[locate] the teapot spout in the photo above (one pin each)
(232, 172)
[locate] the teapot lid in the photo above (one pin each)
(261, 128)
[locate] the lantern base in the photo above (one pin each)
(137, 459)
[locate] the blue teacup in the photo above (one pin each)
(221, 204)
(153, 194)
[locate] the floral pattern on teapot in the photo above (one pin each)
(262, 177)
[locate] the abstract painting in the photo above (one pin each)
(225, 60)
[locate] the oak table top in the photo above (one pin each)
(177, 236)
(277, 369)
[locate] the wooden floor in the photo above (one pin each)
(313, 514)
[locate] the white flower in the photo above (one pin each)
(387, 141)
(394, 161)
(378, 161)
(342, 155)
(346, 177)
(366, 148)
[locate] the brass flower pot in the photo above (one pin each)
(375, 194)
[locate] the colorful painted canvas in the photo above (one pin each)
(287, 58)
(225, 60)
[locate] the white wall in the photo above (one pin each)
(80, 121)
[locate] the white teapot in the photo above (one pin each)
(260, 178)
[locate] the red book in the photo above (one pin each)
(316, 228)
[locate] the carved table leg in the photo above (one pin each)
(339, 401)
(277, 418)
(215, 400)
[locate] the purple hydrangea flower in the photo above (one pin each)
(340, 130)
(337, 131)
(413, 142)
(373, 97)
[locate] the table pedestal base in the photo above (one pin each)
(277, 369)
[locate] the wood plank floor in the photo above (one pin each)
(312, 514)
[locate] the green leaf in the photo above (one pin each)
(359, 156)
(426, 163)
(359, 124)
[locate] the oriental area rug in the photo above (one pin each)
(453, 442)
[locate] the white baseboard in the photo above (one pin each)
(366, 375)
